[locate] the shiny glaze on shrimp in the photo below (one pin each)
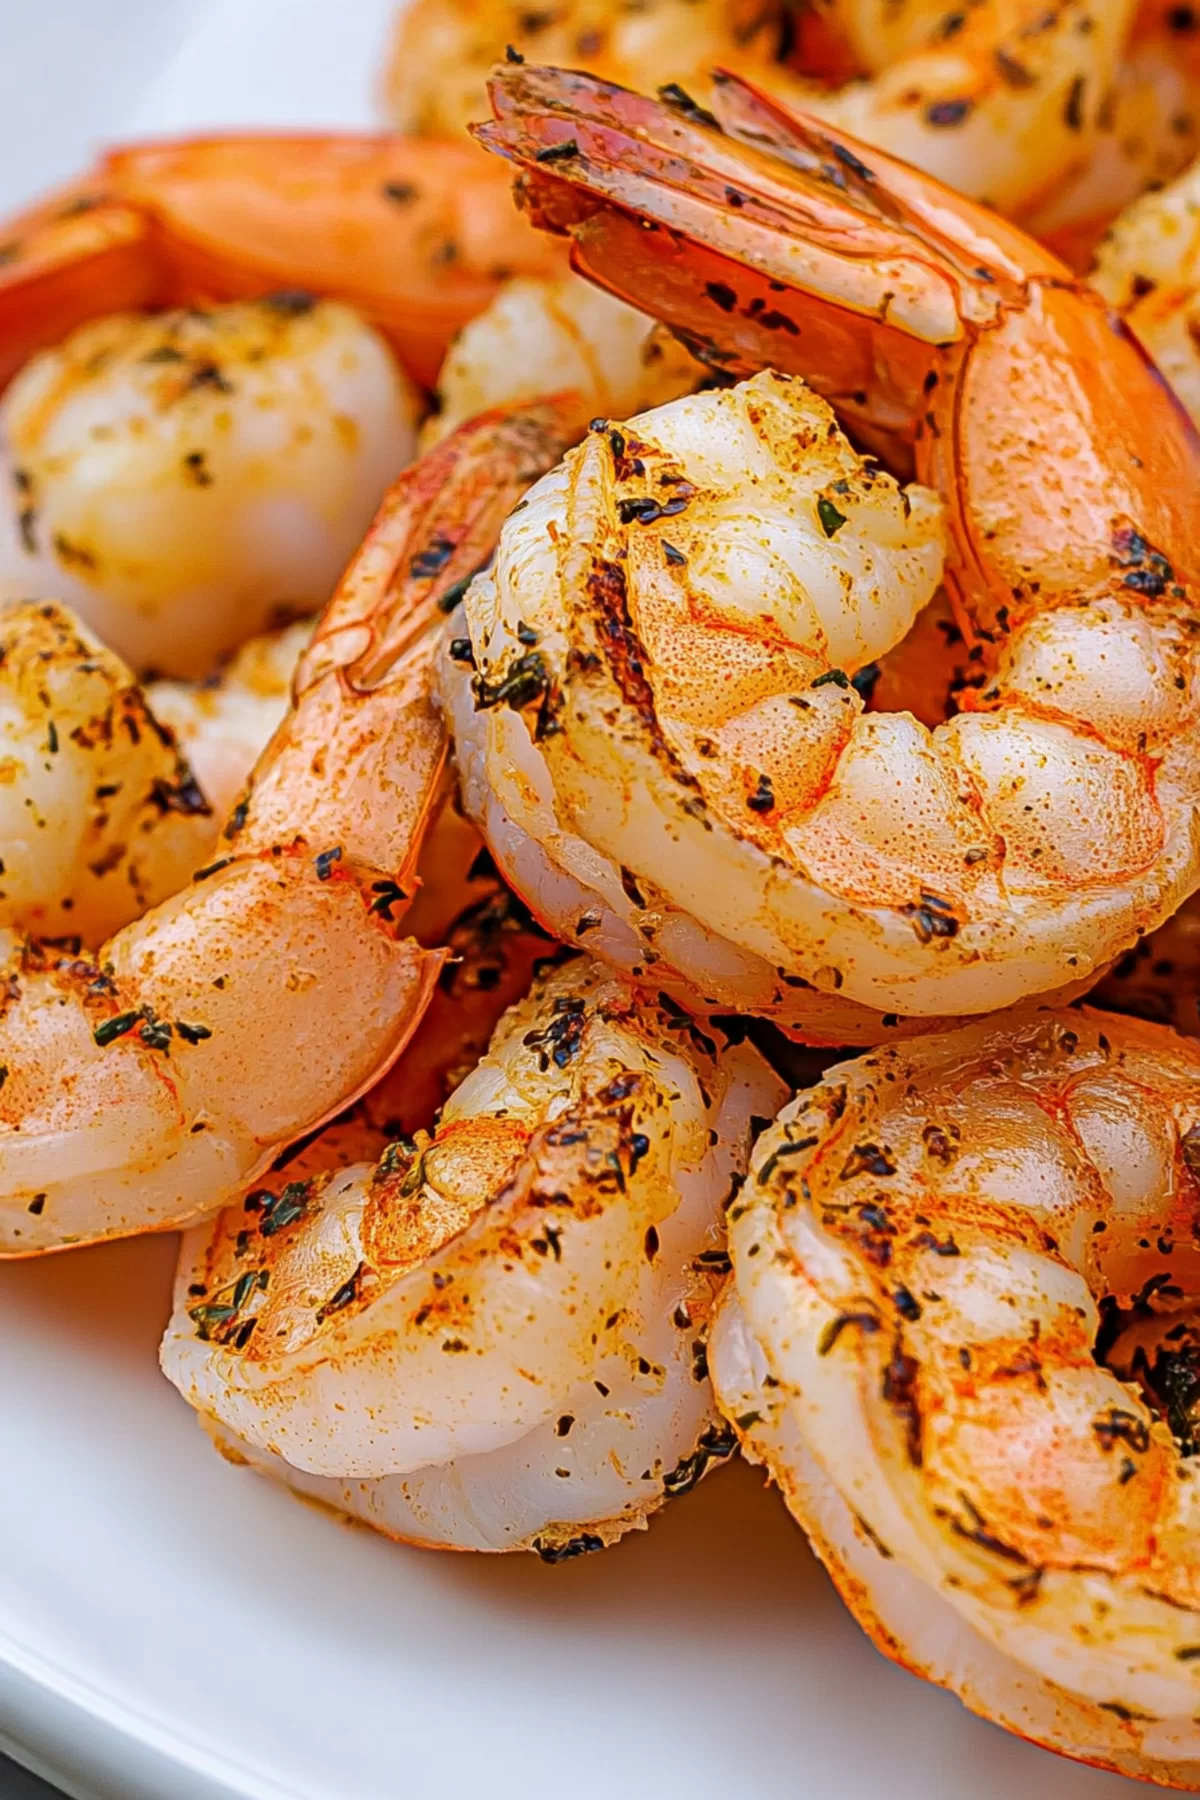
(413, 235)
(931, 1256)
(1029, 840)
(178, 478)
(493, 1338)
(146, 1086)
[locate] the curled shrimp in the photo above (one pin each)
(101, 815)
(442, 51)
(145, 1086)
(1148, 267)
(415, 236)
(945, 1259)
(178, 478)
(493, 1338)
(547, 337)
(1027, 841)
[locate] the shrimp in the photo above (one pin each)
(179, 477)
(415, 236)
(946, 1257)
(223, 724)
(146, 1086)
(1148, 267)
(493, 1338)
(1020, 846)
(1005, 100)
(1148, 131)
(442, 51)
(540, 337)
(101, 815)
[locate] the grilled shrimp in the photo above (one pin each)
(178, 477)
(1148, 267)
(415, 236)
(223, 724)
(148, 1085)
(442, 51)
(1006, 100)
(101, 815)
(546, 337)
(493, 1338)
(953, 1261)
(1147, 132)
(1023, 844)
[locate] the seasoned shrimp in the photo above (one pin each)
(178, 477)
(1148, 267)
(1005, 100)
(1020, 846)
(101, 815)
(415, 236)
(442, 51)
(933, 1255)
(223, 724)
(145, 1087)
(546, 337)
(493, 1339)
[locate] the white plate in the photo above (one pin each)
(174, 1629)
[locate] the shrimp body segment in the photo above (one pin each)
(545, 337)
(931, 1256)
(416, 236)
(101, 815)
(144, 1087)
(177, 478)
(493, 1338)
(1053, 819)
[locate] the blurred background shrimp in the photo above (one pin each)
(179, 478)
(961, 1335)
(493, 1338)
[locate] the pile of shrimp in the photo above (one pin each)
(481, 683)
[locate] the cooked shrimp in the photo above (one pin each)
(148, 1086)
(1004, 100)
(442, 51)
(932, 1254)
(1148, 267)
(223, 724)
(101, 815)
(1027, 841)
(1148, 131)
(546, 337)
(415, 236)
(178, 477)
(493, 1339)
